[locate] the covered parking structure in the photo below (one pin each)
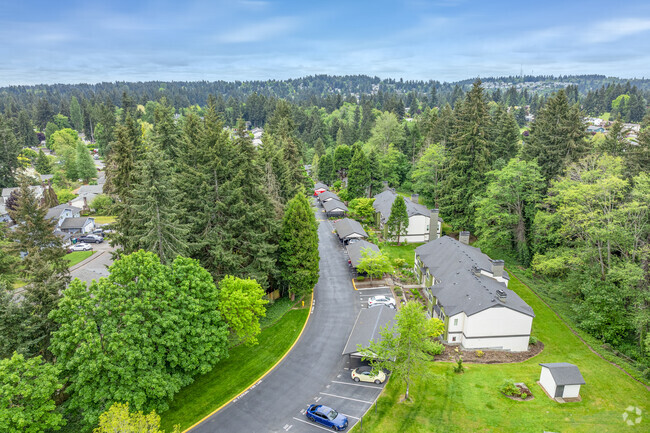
(335, 208)
(348, 228)
(355, 251)
(367, 327)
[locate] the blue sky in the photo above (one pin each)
(446, 40)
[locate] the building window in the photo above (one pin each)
(453, 338)
(456, 322)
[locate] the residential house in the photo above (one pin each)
(327, 196)
(348, 229)
(419, 229)
(355, 251)
(61, 212)
(36, 189)
(469, 292)
(79, 225)
(561, 380)
(334, 208)
(86, 195)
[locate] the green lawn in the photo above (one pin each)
(231, 376)
(404, 251)
(77, 256)
(104, 219)
(470, 402)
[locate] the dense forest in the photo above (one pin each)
(514, 165)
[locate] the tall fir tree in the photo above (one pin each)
(326, 171)
(9, 150)
(398, 221)
(25, 130)
(43, 164)
(43, 268)
(557, 137)
(469, 159)
(359, 174)
(86, 169)
(76, 116)
(506, 136)
(374, 168)
(299, 257)
(167, 134)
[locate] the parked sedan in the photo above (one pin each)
(381, 300)
(91, 238)
(327, 417)
(364, 374)
(80, 247)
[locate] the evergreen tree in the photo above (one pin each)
(122, 158)
(398, 221)
(506, 138)
(359, 174)
(44, 113)
(367, 121)
(153, 215)
(166, 135)
(9, 151)
(299, 258)
(242, 242)
(25, 130)
(433, 96)
(319, 147)
(557, 137)
(326, 171)
(43, 268)
(42, 164)
(86, 169)
(374, 168)
(76, 116)
(342, 159)
(469, 159)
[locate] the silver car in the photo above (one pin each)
(381, 300)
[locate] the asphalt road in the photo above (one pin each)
(96, 266)
(315, 370)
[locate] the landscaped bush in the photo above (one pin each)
(458, 368)
(509, 388)
(399, 263)
(480, 353)
(102, 204)
(533, 340)
(361, 278)
(65, 195)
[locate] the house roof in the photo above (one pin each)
(366, 329)
(564, 373)
(328, 195)
(56, 211)
(453, 264)
(355, 251)
(384, 202)
(320, 185)
(63, 235)
(334, 205)
(90, 189)
(75, 223)
(346, 227)
(36, 189)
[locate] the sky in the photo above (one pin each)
(446, 40)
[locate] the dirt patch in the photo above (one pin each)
(488, 356)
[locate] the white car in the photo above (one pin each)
(381, 300)
(81, 247)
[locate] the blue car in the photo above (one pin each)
(327, 416)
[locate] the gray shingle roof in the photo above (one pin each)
(328, 195)
(91, 189)
(369, 322)
(384, 202)
(55, 212)
(564, 373)
(334, 206)
(452, 263)
(74, 223)
(320, 185)
(347, 227)
(355, 251)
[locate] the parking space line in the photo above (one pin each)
(346, 398)
(358, 384)
(310, 423)
(349, 416)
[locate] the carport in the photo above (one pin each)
(334, 207)
(369, 323)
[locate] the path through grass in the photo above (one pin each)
(470, 402)
(244, 366)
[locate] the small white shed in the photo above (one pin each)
(561, 380)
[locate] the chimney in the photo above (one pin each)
(433, 224)
(463, 237)
(415, 198)
(497, 268)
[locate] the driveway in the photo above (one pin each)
(314, 371)
(95, 266)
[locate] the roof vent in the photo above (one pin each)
(476, 271)
(501, 294)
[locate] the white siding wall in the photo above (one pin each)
(417, 229)
(571, 391)
(547, 382)
(500, 328)
(460, 318)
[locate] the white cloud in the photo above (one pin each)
(258, 31)
(612, 30)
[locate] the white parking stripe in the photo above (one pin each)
(345, 398)
(311, 424)
(358, 384)
(349, 416)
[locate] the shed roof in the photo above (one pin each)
(453, 264)
(564, 373)
(346, 227)
(328, 195)
(367, 326)
(355, 251)
(320, 185)
(334, 206)
(384, 202)
(75, 223)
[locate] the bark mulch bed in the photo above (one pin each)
(489, 356)
(523, 390)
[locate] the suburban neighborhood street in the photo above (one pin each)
(314, 371)
(95, 266)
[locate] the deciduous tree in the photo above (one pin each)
(241, 302)
(374, 263)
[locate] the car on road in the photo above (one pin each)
(80, 247)
(365, 374)
(91, 238)
(381, 300)
(327, 417)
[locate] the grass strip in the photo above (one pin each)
(77, 256)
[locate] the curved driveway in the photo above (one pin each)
(315, 370)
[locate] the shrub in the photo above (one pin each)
(479, 353)
(533, 340)
(509, 388)
(102, 204)
(398, 292)
(361, 278)
(458, 368)
(399, 263)
(523, 396)
(65, 195)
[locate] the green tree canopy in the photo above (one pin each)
(374, 263)
(428, 175)
(9, 150)
(398, 221)
(119, 419)
(86, 169)
(359, 174)
(241, 302)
